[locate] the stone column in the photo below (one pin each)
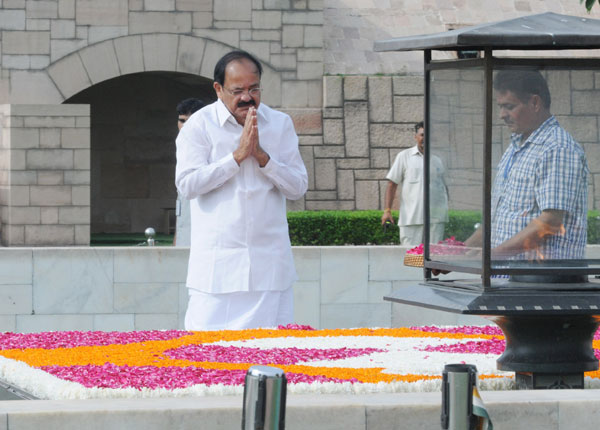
(45, 175)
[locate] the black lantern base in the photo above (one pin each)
(548, 344)
(549, 333)
(548, 381)
(548, 352)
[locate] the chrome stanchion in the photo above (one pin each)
(462, 406)
(149, 232)
(458, 381)
(264, 399)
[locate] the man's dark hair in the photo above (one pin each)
(418, 126)
(233, 56)
(524, 84)
(189, 106)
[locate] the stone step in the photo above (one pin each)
(514, 410)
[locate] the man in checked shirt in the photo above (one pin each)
(539, 196)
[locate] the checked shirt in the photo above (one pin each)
(547, 171)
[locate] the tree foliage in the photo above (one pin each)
(589, 3)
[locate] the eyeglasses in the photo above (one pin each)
(252, 92)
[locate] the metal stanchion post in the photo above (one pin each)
(264, 399)
(458, 381)
(150, 233)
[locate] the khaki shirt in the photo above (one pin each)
(407, 172)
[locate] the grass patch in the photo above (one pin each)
(128, 239)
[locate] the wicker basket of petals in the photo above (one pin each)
(413, 260)
(414, 257)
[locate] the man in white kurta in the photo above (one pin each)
(407, 173)
(238, 161)
(185, 109)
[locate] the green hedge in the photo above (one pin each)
(594, 227)
(128, 239)
(339, 228)
(461, 224)
(323, 228)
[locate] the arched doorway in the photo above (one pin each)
(133, 131)
(102, 138)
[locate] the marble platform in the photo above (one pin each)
(510, 410)
(133, 289)
(143, 288)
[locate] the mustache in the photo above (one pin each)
(250, 102)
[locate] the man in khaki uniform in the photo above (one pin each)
(407, 172)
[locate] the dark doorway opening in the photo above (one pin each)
(133, 131)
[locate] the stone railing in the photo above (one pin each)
(137, 288)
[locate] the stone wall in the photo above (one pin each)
(352, 26)
(45, 175)
(351, 126)
(53, 51)
(367, 120)
(457, 133)
(143, 288)
(175, 35)
(580, 115)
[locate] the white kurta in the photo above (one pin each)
(182, 225)
(239, 239)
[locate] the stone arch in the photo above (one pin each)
(144, 53)
(88, 73)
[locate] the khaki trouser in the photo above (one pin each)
(413, 234)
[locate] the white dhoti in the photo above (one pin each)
(239, 310)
